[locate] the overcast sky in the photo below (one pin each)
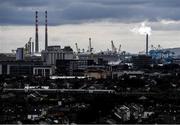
(73, 21)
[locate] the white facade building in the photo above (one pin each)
(43, 71)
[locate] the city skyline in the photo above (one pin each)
(89, 61)
(75, 21)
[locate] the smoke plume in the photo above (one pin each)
(143, 29)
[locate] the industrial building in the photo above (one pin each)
(24, 68)
(141, 61)
(53, 53)
(71, 67)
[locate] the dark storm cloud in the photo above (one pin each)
(24, 3)
(78, 11)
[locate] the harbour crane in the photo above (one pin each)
(113, 47)
(29, 45)
(119, 50)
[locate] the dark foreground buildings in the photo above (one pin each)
(60, 86)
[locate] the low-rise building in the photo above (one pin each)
(24, 68)
(72, 67)
(43, 70)
(97, 73)
(141, 61)
(131, 73)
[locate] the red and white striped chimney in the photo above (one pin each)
(36, 34)
(46, 32)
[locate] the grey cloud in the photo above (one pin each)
(24, 3)
(21, 12)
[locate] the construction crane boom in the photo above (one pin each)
(29, 45)
(30, 39)
(119, 48)
(113, 47)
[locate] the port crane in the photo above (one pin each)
(119, 50)
(28, 46)
(158, 53)
(113, 47)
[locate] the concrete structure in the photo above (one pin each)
(20, 54)
(53, 53)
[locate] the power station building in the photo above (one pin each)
(53, 53)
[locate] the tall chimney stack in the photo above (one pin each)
(46, 33)
(36, 34)
(146, 44)
(90, 48)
